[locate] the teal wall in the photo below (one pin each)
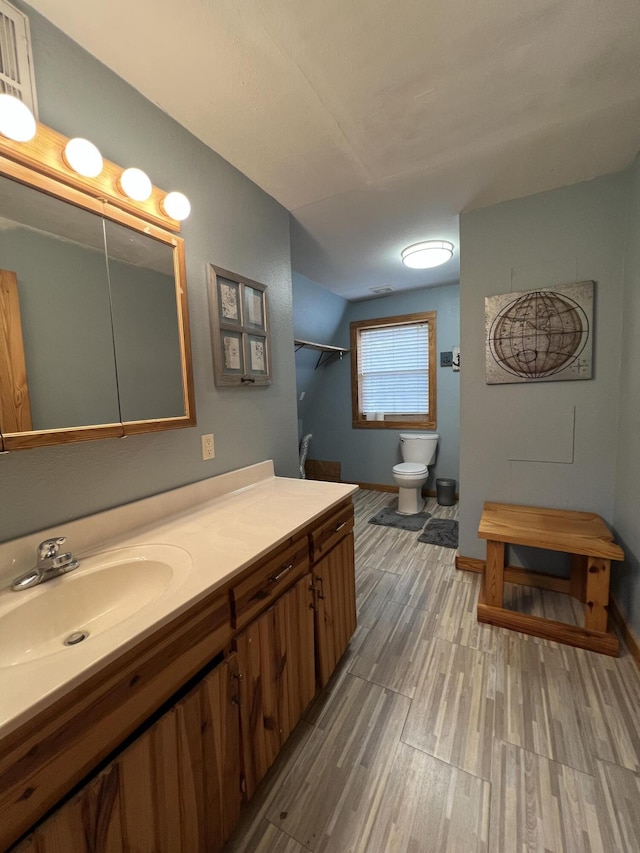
(317, 314)
(570, 234)
(368, 455)
(626, 517)
(234, 225)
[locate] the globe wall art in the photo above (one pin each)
(540, 335)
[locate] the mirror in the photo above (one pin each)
(145, 325)
(94, 339)
(52, 258)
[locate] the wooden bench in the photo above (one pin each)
(584, 536)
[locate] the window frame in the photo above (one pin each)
(406, 423)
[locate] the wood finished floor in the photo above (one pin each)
(438, 734)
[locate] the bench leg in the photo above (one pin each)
(578, 582)
(597, 594)
(494, 574)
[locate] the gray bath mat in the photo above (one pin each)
(388, 517)
(441, 531)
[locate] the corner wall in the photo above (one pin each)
(317, 314)
(626, 519)
(570, 234)
(233, 224)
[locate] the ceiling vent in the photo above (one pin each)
(386, 288)
(16, 59)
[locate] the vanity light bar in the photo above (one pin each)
(78, 163)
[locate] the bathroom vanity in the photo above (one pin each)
(153, 732)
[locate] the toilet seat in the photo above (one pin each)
(415, 468)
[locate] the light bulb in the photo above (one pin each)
(176, 205)
(430, 253)
(16, 119)
(83, 157)
(135, 184)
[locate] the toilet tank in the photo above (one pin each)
(418, 447)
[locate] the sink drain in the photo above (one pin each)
(76, 637)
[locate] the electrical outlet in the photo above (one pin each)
(208, 450)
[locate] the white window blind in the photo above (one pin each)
(394, 369)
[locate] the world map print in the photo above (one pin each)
(540, 335)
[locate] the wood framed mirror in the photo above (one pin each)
(94, 331)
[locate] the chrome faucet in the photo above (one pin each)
(51, 563)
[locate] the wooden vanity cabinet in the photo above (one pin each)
(278, 680)
(175, 789)
(334, 591)
(283, 624)
(42, 761)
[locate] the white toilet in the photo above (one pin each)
(418, 452)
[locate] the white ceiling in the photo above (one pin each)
(376, 122)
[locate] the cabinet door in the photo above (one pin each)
(276, 662)
(89, 822)
(176, 789)
(335, 594)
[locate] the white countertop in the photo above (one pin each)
(224, 524)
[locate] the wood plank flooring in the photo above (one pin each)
(440, 735)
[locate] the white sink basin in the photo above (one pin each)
(105, 591)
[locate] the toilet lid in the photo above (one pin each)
(410, 468)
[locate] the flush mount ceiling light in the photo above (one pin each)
(430, 253)
(83, 157)
(176, 205)
(135, 184)
(16, 119)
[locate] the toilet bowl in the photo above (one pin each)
(418, 452)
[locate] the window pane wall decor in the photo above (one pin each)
(239, 329)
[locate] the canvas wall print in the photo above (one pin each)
(541, 335)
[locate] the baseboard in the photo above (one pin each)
(376, 487)
(513, 574)
(469, 564)
(632, 642)
(383, 487)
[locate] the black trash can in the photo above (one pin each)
(446, 490)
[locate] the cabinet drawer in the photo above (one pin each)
(268, 580)
(330, 532)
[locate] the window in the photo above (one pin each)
(393, 375)
(16, 63)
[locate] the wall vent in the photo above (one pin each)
(385, 288)
(16, 59)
